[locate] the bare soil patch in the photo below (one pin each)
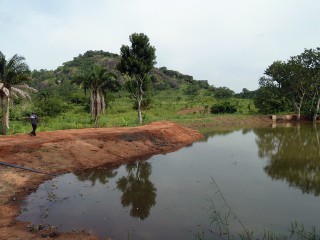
(69, 150)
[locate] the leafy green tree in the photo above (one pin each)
(292, 79)
(310, 59)
(245, 94)
(97, 80)
(14, 73)
(136, 63)
(42, 79)
(44, 94)
(299, 85)
(268, 100)
(298, 79)
(223, 92)
(192, 90)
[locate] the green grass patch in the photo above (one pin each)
(165, 106)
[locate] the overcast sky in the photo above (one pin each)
(227, 42)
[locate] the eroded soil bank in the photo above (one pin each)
(69, 150)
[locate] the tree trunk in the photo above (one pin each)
(96, 106)
(96, 117)
(8, 113)
(316, 110)
(140, 97)
(95, 109)
(139, 112)
(297, 107)
(4, 115)
(298, 114)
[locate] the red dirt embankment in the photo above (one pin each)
(69, 150)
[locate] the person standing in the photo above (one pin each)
(34, 122)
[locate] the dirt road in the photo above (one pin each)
(69, 150)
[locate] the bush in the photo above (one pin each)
(78, 98)
(223, 107)
(51, 107)
(270, 101)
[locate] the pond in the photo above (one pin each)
(257, 179)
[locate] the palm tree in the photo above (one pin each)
(98, 80)
(13, 75)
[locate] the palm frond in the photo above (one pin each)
(27, 87)
(22, 93)
(3, 64)
(5, 90)
(14, 94)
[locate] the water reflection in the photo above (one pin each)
(101, 175)
(137, 190)
(293, 155)
(224, 132)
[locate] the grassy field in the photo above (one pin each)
(165, 106)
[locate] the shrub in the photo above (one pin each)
(78, 98)
(270, 101)
(223, 107)
(51, 107)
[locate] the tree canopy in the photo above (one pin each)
(97, 80)
(296, 80)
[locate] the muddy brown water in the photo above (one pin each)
(270, 177)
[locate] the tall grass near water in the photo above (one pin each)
(226, 225)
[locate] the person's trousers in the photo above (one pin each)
(34, 127)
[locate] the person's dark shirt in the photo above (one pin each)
(34, 119)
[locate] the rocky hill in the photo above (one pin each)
(162, 78)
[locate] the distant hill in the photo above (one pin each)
(162, 78)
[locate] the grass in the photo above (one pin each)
(165, 106)
(223, 221)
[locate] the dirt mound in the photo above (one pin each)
(69, 150)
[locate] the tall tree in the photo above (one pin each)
(223, 92)
(292, 78)
(136, 63)
(97, 80)
(14, 73)
(298, 83)
(298, 79)
(310, 59)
